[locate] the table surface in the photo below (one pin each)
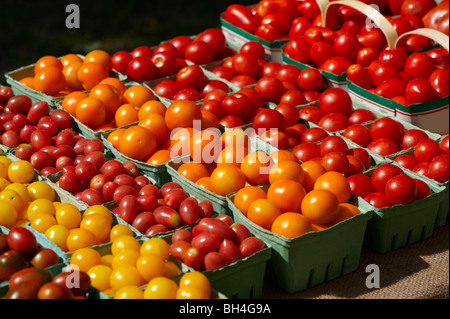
(417, 271)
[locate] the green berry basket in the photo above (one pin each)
(398, 226)
(315, 257)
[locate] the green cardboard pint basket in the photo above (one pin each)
(315, 257)
(398, 226)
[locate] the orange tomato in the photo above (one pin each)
(235, 136)
(346, 211)
(227, 179)
(283, 155)
(263, 212)
(114, 137)
(138, 95)
(150, 107)
(286, 170)
(91, 74)
(335, 182)
(320, 206)
(205, 146)
(180, 140)
(155, 123)
(28, 82)
(137, 143)
(126, 114)
(196, 279)
(287, 195)
(209, 120)
(70, 58)
(247, 195)
(99, 56)
(311, 172)
(318, 227)
(183, 113)
(70, 73)
(291, 225)
(205, 183)
(116, 83)
(110, 97)
(256, 167)
(49, 80)
(104, 127)
(46, 61)
(69, 103)
(160, 157)
(232, 154)
(91, 112)
(193, 171)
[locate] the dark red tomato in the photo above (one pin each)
(416, 42)
(358, 74)
(372, 39)
(254, 49)
(347, 45)
(267, 32)
(120, 61)
(298, 27)
(311, 114)
(165, 47)
(423, 190)
(360, 116)
(293, 98)
(381, 72)
(401, 190)
(11, 262)
(336, 161)
(416, 7)
(214, 38)
(378, 200)
(314, 134)
(335, 100)
(366, 55)
(386, 127)
(333, 143)
(165, 63)
(406, 161)
(243, 80)
(44, 258)
(383, 174)
(396, 57)
(334, 122)
(426, 150)
(271, 89)
(244, 63)
(166, 89)
(231, 121)
(224, 72)
(439, 80)
(267, 119)
(358, 134)
(439, 56)
(22, 240)
(360, 185)
(352, 23)
(310, 79)
(306, 151)
(191, 76)
(289, 113)
(298, 49)
(411, 138)
(142, 51)
(336, 65)
(419, 65)
(241, 16)
(37, 275)
(444, 145)
(419, 91)
(363, 155)
(180, 43)
(391, 88)
(63, 278)
(24, 290)
(199, 52)
(321, 51)
(237, 104)
(439, 168)
(356, 165)
(141, 70)
(383, 146)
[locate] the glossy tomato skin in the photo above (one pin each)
(335, 100)
(242, 17)
(419, 65)
(11, 262)
(270, 88)
(401, 189)
(357, 74)
(383, 174)
(426, 150)
(22, 240)
(439, 168)
(378, 200)
(386, 128)
(267, 119)
(360, 116)
(360, 185)
(333, 122)
(411, 138)
(141, 69)
(406, 161)
(444, 144)
(358, 134)
(419, 90)
(439, 80)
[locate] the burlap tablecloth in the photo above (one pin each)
(418, 271)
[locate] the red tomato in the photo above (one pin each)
(298, 49)
(141, 69)
(333, 143)
(298, 27)
(372, 39)
(277, 20)
(357, 74)
(426, 150)
(439, 80)
(382, 174)
(336, 161)
(383, 146)
(360, 185)
(310, 79)
(199, 52)
(214, 38)
(358, 134)
(347, 45)
(180, 43)
(386, 127)
(419, 65)
(334, 122)
(267, 32)
(191, 76)
(293, 98)
(378, 200)
(360, 116)
(381, 72)
(254, 49)
(120, 61)
(268, 119)
(311, 114)
(314, 134)
(336, 65)
(423, 190)
(237, 104)
(444, 144)
(142, 51)
(335, 100)
(411, 138)
(288, 73)
(306, 151)
(22, 240)
(419, 90)
(422, 168)
(244, 63)
(401, 189)
(439, 168)
(366, 55)
(289, 113)
(391, 88)
(321, 51)
(270, 88)
(406, 161)
(416, 7)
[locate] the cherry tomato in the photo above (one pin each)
(386, 127)
(381, 72)
(426, 150)
(336, 65)
(357, 74)
(360, 116)
(358, 134)
(347, 45)
(378, 200)
(439, 168)
(383, 174)
(334, 122)
(240, 16)
(391, 88)
(444, 144)
(411, 138)
(366, 55)
(320, 51)
(310, 79)
(267, 119)
(22, 240)
(401, 189)
(298, 49)
(141, 69)
(439, 80)
(360, 185)
(270, 88)
(419, 90)
(419, 65)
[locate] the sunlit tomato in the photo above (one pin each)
(358, 133)
(439, 168)
(137, 142)
(141, 69)
(444, 144)
(335, 100)
(411, 138)
(366, 55)
(298, 49)
(440, 83)
(373, 39)
(333, 122)
(426, 150)
(335, 182)
(336, 161)
(357, 74)
(226, 179)
(383, 146)
(320, 206)
(378, 200)
(267, 119)
(237, 104)
(381, 72)
(346, 45)
(199, 52)
(401, 189)
(386, 128)
(311, 114)
(419, 90)
(336, 65)
(49, 80)
(191, 76)
(270, 88)
(406, 161)
(306, 151)
(419, 65)
(360, 185)
(310, 80)
(383, 174)
(182, 113)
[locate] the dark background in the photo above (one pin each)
(30, 29)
